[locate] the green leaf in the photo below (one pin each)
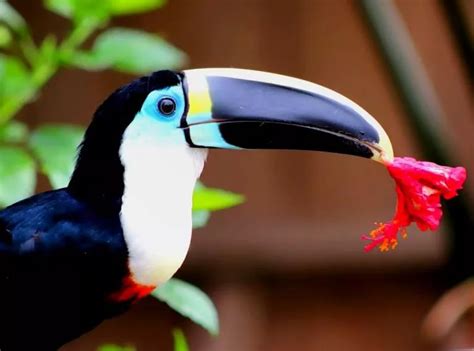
(5, 36)
(180, 343)
(127, 7)
(14, 78)
(17, 175)
(48, 50)
(129, 51)
(80, 10)
(12, 18)
(61, 7)
(112, 347)
(100, 9)
(191, 302)
(211, 199)
(13, 132)
(15, 84)
(55, 146)
(200, 218)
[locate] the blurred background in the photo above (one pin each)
(287, 269)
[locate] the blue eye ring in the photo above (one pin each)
(167, 106)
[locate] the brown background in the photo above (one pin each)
(287, 269)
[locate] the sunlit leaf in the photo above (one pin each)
(80, 9)
(55, 146)
(211, 199)
(112, 347)
(13, 132)
(17, 175)
(206, 200)
(130, 51)
(12, 18)
(127, 7)
(191, 302)
(61, 7)
(180, 343)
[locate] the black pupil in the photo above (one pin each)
(167, 106)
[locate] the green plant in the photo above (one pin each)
(180, 344)
(26, 66)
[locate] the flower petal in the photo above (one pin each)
(419, 186)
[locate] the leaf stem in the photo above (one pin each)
(29, 49)
(77, 37)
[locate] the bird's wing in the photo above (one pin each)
(58, 260)
(56, 223)
(5, 237)
(30, 219)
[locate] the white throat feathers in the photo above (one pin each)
(156, 213)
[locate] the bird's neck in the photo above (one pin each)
(98, 176)
(156, 212)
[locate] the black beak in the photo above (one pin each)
(244, 109)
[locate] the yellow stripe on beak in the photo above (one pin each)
(199, 98)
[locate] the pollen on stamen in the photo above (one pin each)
(404, 233)
(384, 246)
(393, 243)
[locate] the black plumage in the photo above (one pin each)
(98, 177)
(63, 253)
(59, 262)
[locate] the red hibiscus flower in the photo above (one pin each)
(419, 186)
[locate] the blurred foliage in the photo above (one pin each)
(180, 344)
(26, 66)
(55, 146)
(190, 302)
(209, 199)
(17, 174)
(129, 51)
(112, 347)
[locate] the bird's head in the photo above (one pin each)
(168, 118)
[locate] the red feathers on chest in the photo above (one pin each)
(131, 291)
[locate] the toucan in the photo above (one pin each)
(72, 257)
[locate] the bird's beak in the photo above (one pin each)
(245, 109)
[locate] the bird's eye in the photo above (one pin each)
(167, 106)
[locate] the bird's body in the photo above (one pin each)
(73, 257)
(70, 265)
(60, 265)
